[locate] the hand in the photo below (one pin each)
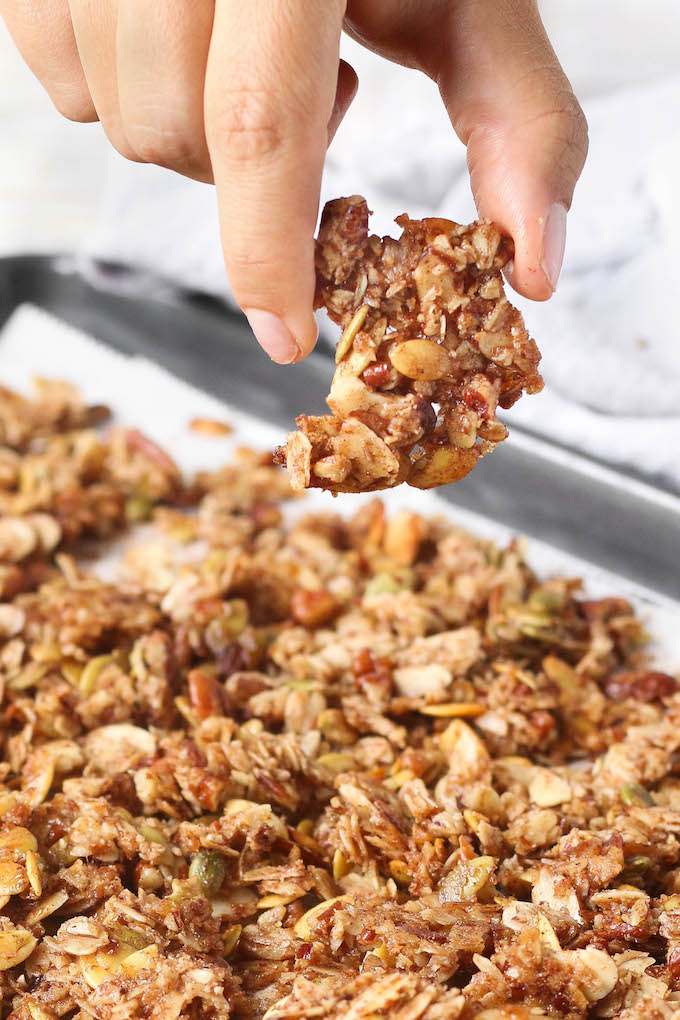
(248, 93)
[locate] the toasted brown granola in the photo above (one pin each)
(430, 349)
(344, 768)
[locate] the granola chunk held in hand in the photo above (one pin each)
(431, 347)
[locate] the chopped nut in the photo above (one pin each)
(332, 723)
(547, 789)
(210, 427)
(313, 608)
(465, 751)
(422, 682)
(467, 879)
(118, 747)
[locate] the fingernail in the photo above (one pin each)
(273, 336)
(554, 238)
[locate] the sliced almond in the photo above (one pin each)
(547, 789)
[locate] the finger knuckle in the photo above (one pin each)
(244, 122)
(170, 146)
(119, 141)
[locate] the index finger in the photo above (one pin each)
(270, 89)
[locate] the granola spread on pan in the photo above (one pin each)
(340, 768)
(431, 348)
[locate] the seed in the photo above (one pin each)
(210, 427)
(347, 339)
(383, 954)
(400, 873)
(336, 761)
(335, 727)
(640, 863)
(231, 937)
(152, 835)
(340, 865)
(130, 937)
(209, 869)
(453, 709)
(383, 584)
(466, 879)
(421, 359)
(237, 619)
(633, 793)
(306, 826)
(442, 466)
(275, 900)
(396, 781)
(138, 508)
(306, 842)
(90, 674)
(33, 872)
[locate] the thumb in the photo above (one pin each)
(511, 103)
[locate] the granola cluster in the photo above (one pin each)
(340, 768)
(431, 348)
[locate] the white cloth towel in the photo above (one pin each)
(610, 341)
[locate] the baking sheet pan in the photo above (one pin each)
(616, 522)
